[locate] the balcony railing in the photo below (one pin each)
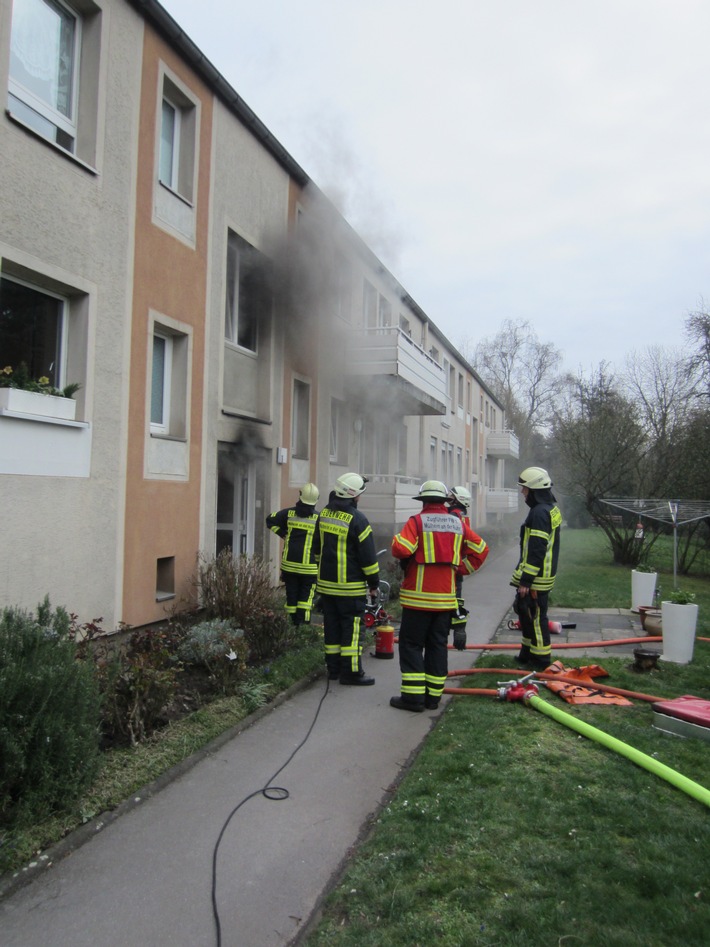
(502, 444)
(501, 501)
(388, 352)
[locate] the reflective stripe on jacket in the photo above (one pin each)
(296, 526)
(436, 543)
(539, 548)
(345, 549)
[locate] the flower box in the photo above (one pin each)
(19, 401)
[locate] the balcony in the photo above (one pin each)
(388, 502)
(501, 501)
(390, 366)
(502, 444)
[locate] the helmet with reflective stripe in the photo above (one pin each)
(350, 485)
(535, 478)
(309, 494)
(461, 496)
(432, 490)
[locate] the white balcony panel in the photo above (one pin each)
(501, 501)
(390, 353)
(502, 444)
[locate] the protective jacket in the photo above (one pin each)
(460, 511)
(344, 548)
(296, 526)
(435, 544)
(539, 543)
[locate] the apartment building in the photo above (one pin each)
(231, 334)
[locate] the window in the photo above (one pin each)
(432, 456)
(45, 48)
(33, 331)
(405, 326)
(460, 391)
(369, 305)
(176, 162)
(165, 579)
(338, 420)
(168, 382)
(248, 292)
(384, 313)
(53, 86)
(300, 420)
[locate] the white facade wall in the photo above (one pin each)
(67, 225)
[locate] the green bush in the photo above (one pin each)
(137, 680)
(218, 646)
(239, 589)
(49, 715)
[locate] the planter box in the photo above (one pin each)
(37, 404)
(678, 623)
(643, 588)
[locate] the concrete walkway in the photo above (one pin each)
(143, 878)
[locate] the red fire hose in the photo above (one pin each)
(543, 676)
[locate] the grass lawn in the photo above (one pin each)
(511, 829)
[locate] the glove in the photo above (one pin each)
(460, 639)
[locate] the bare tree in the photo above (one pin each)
(697, 330)
(524, 373)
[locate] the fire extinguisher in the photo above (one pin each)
(384, 642)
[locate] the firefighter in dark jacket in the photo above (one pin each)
(432, 545)
(347, 568)
(534, 575)
(296, 526)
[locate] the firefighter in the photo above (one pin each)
(299, 570)
(347, 568)
(459, 502)
(534, 575)
(432, 545)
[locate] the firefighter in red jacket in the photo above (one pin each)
(432, 545)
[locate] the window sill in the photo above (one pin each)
(168, 437)
(51, 144)
(43, 419)
(164, 596)
(176, 194)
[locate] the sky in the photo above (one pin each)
(538, 160)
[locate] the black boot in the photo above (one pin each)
(357, 680)
(401, 704)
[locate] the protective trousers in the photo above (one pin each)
(300, 592)
(535, 630)
(343, 633)
(423, 656)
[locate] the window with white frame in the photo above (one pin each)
(45, 47)
(178, 123)
(55, 55)
(168, 382)
(33, 325)
(248, 293)
(369, 305)
(432, 456)
(338, 422)
(300, 420)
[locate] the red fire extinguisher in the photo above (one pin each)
(384, 642)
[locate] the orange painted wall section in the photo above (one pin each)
(163, 516)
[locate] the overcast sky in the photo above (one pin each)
(546, 160)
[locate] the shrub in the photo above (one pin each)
(218, 646)
(49, 715)
(138, 680)
(239, 588)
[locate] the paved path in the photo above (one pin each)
(144, 878)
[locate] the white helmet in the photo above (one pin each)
(535, 478)
(432, 490)
(309, 494)
(350, 485)
(461, 496)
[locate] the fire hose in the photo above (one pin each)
(545, 676)
(524, 690)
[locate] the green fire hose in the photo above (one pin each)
(636, 756)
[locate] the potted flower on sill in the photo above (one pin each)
(22, 394)
(678, 623)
